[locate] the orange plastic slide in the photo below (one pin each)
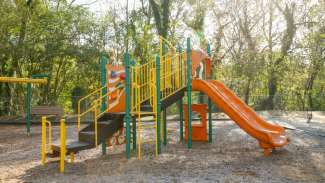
(269, 135)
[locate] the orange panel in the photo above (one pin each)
(199, 131)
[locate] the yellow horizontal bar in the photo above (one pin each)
(148, 127)
(143, 113)
(22, 80)
(92, 93)
(148, 141)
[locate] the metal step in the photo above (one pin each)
(146, 107)
(108, 124)
(88, 137)
(73, 146)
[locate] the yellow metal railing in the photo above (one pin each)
(173, 69)
(92, 96)
(143, 85)
(97, 97)
(63, 139)
(45, 149)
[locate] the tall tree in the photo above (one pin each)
(161, 14)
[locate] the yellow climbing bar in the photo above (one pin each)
(173, 67)
(44, 141)
(22, 80)
(63, 137)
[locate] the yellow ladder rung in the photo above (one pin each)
(147, 127)
(142, 113)
(148, 141)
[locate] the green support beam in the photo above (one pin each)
(189, 93)
(165, 125)
(181, 119)
(134, 132)
(134, 118)
(128, 102)
(103, 79)
(28, 107)
(158, 102)
(210, 104)
(35, 78)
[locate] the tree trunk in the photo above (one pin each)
(161, 19)
(247, 91)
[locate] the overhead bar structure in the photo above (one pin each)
(22, 80)
(36, 79)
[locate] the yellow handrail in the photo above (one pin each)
(63, 136)
(84, 98)
(94, 103)
(96, 127)
(143, 87)
(49, 146)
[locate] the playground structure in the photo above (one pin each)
(36, 79)
(133, 91)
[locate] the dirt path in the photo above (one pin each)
(232, 157)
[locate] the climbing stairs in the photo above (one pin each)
(108, 125)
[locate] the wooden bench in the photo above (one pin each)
(48, 111)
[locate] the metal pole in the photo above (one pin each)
(158, 103)
(188, 91)
(134, 118)
(181, 117)
(43, 140)
(180, 102)
(62, 144)
(165, 125)
(210, 104)
(134, 130)
(28, 106)
(103, 107)
(128, 102)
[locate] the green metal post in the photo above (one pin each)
(164, 65)
(180, 105)
(128, 102)
(134, 132)
(158, 102)
(210, 104)
(165, 126)
(28, 106)
(189, 93)
(134, 119)
(28, 99)
(181, 119)
(103, 107)
(164, 49)
(103, 71)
